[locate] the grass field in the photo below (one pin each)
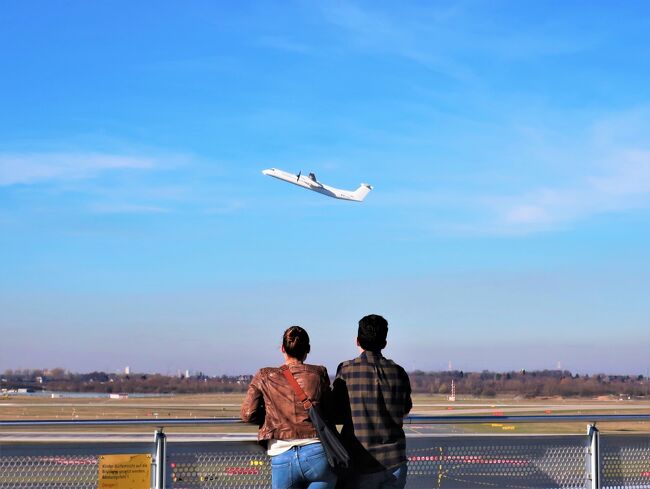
(227, 405)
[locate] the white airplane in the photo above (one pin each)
(310, 182)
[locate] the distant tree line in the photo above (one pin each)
(101, 382)
(538, 383)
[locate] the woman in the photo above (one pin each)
(297, 456)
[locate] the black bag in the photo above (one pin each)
(337, 456)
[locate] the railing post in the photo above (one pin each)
(594, 456)
(160, 439)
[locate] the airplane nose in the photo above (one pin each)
(266, 172)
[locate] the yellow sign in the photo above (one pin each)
(124, 471)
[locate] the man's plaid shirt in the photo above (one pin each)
(371, 396)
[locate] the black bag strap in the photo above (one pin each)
(304, 398)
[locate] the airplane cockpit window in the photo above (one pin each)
(312, 176)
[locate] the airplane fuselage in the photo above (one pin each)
(310, 183)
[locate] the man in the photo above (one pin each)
(372, 395)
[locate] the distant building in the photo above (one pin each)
(127, 370)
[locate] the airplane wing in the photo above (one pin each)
(314, 182)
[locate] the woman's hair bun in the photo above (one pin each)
(296, 342)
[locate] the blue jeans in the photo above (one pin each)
(386, 479)
(301, 468)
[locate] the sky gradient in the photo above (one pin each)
(507, 143)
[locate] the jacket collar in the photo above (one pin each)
(371, 356)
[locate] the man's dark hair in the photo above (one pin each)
(373, 330)
(295, 341)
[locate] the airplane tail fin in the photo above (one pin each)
(363, 190)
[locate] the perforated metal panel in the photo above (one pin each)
(224, 464)
(57, 466)
(438, 462)
(501, 462)
(434, 462)
(625, 461)
(48, 471)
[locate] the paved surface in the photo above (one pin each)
(62, 437)
(54, 437)
(538, 408)
(459, 408)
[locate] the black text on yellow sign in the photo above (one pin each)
(127, 471)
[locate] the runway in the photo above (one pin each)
(417, 407)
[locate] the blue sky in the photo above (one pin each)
(507, 143)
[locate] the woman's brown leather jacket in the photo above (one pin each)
(272, 403)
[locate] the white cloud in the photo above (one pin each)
(374, 31)
(32, 168)
(442, 37)
(543, 180)
(284, 44)
(160, 183)
(527, 214)
(626, 186)
(633, 176)
(125, 208)
(227, 207)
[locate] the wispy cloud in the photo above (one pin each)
(541, 181)
(626, 186)
(33, 168)
(126, 208)
(156, 183)
(607, 170)
(442, 38)
(375, 31)
(284, 44)
(226, 207)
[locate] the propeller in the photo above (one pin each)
(298, 176)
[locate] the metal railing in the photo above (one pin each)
(435, 460)
(415, 419)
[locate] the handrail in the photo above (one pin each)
(556, 418)
(160, 422)
(415, 419)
